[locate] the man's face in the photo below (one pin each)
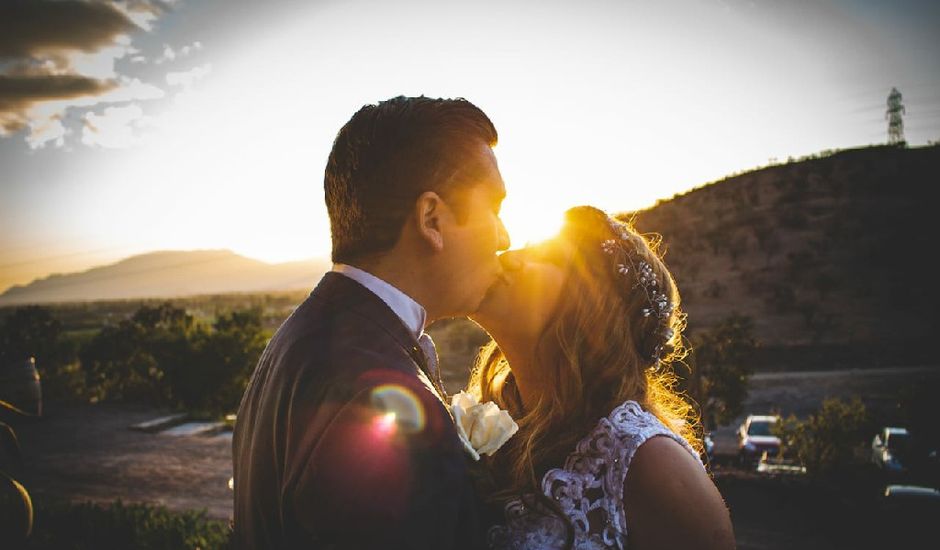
(470, 247)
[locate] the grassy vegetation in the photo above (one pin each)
(81, 526)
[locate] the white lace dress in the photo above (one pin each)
(588, 489)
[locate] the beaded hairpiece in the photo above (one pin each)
(641, 273)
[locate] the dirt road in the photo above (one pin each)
(89, 453)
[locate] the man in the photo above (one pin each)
(343, 439)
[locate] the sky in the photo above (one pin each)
(139, 125)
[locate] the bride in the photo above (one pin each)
(584, 328)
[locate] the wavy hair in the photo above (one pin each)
(599, 351)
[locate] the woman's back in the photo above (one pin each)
(589, 488)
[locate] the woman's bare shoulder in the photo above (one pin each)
(671, 502)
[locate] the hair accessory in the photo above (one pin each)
(644, 278)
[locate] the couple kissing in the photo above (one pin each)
(346, 437)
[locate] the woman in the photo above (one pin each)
(584, 328)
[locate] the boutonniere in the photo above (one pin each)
(482, 427)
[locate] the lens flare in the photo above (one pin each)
(398, 408)
(385, 423)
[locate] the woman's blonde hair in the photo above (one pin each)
(608, 343)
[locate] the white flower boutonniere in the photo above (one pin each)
(483, 427)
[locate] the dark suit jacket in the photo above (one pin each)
(315, 465)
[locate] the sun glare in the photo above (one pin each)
(530, 224)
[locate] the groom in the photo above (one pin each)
(343, 439)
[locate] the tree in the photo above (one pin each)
(213, 378)
(720, 370)
(129, 361)
(30, 331)
(832, 437)
(162, 356)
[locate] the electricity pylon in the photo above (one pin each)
(893, 114)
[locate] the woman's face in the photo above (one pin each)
(521, 304)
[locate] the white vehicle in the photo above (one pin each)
(755, 438)
(890, 449)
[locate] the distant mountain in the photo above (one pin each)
(830, 256)
(168, 274)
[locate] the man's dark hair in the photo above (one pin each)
(385, 156)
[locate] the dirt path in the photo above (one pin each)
(89, 453)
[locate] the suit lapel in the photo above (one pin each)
(346, 292)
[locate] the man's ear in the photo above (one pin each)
(430, 211)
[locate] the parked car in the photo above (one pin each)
(891, 450)
(908, 517)
(912, 493)
(755, 439)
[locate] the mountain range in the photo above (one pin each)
(169, 274)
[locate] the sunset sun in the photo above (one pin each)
(527, 224)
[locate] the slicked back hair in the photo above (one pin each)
(389, 153)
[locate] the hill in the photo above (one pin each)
(168, 274)
(830, 256)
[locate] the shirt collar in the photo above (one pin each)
(411, 313)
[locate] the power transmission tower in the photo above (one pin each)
(893, 114)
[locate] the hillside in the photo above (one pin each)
(168, 274)
(830, 257)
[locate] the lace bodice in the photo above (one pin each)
(588, 489)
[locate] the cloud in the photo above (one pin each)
(114, 129)
(143, 12)
(39, 103)
(186, 79)
(37, 27)
(45, 131)
(18, 92)
(58, 54)
(169, 54)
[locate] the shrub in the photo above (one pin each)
(830, 440)
(93, 526)
(163, 356)
(720, 369)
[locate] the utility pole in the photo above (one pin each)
(893, 114)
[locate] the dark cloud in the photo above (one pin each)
(19, 92)
(48, 46)
(34, 27)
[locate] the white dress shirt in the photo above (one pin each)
(409, 311)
